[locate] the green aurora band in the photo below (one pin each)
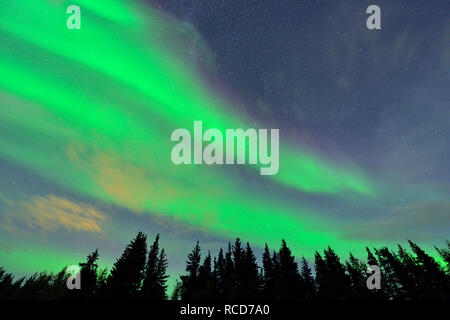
(94, 109)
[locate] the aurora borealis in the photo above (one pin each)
(86, 118)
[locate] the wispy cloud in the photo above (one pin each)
(53, 213)
(419, 221)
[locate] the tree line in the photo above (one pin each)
(234, 274)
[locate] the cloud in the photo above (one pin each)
(5, 200)
(419, 221)
(53, 213)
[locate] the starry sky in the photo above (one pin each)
(86, 118)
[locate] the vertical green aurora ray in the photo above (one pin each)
(94, 109)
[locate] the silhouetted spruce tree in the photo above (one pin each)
(339, 281)
(88, 273)
(269, 285)
(128, 271)
(403, 277)
(276, 273)
(445, 255)
(59, 286)
(150, 279)
(391, 282)
(434, 283)
(40, 286)
(371, 260)
(154, 284)
(190, 281)
(219, 274)
(205, 280)
(177, 290)
(8, 287)
(102, 283)
(215, 278)
(289, 277)
(228, 277)
(308, 284)
(250, 275)
(408, 274)
(356, 270)
(162, 275)
(237, 276)
(323, 285)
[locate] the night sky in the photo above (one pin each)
(86, 118)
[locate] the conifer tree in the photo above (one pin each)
(308, 283)
(356, 271)
(102, 283)
(37, 286)
(150, 280)
(88, 272)
(371, 260)
(154, 284)
(322, 282)
(219, 274)
(237, 276)
(276, 274)
(8, 287)
(190, 281)
(177, 290)
(408, 274)
(434, 284)
(445, 255)
(289, 277)
(390, 266)
(250, 275)
(161, 275)
(229, 289)
(215, 278)
(338, 281)
(128, 271)
(205, 280)
(58, 287)
(268, 275)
